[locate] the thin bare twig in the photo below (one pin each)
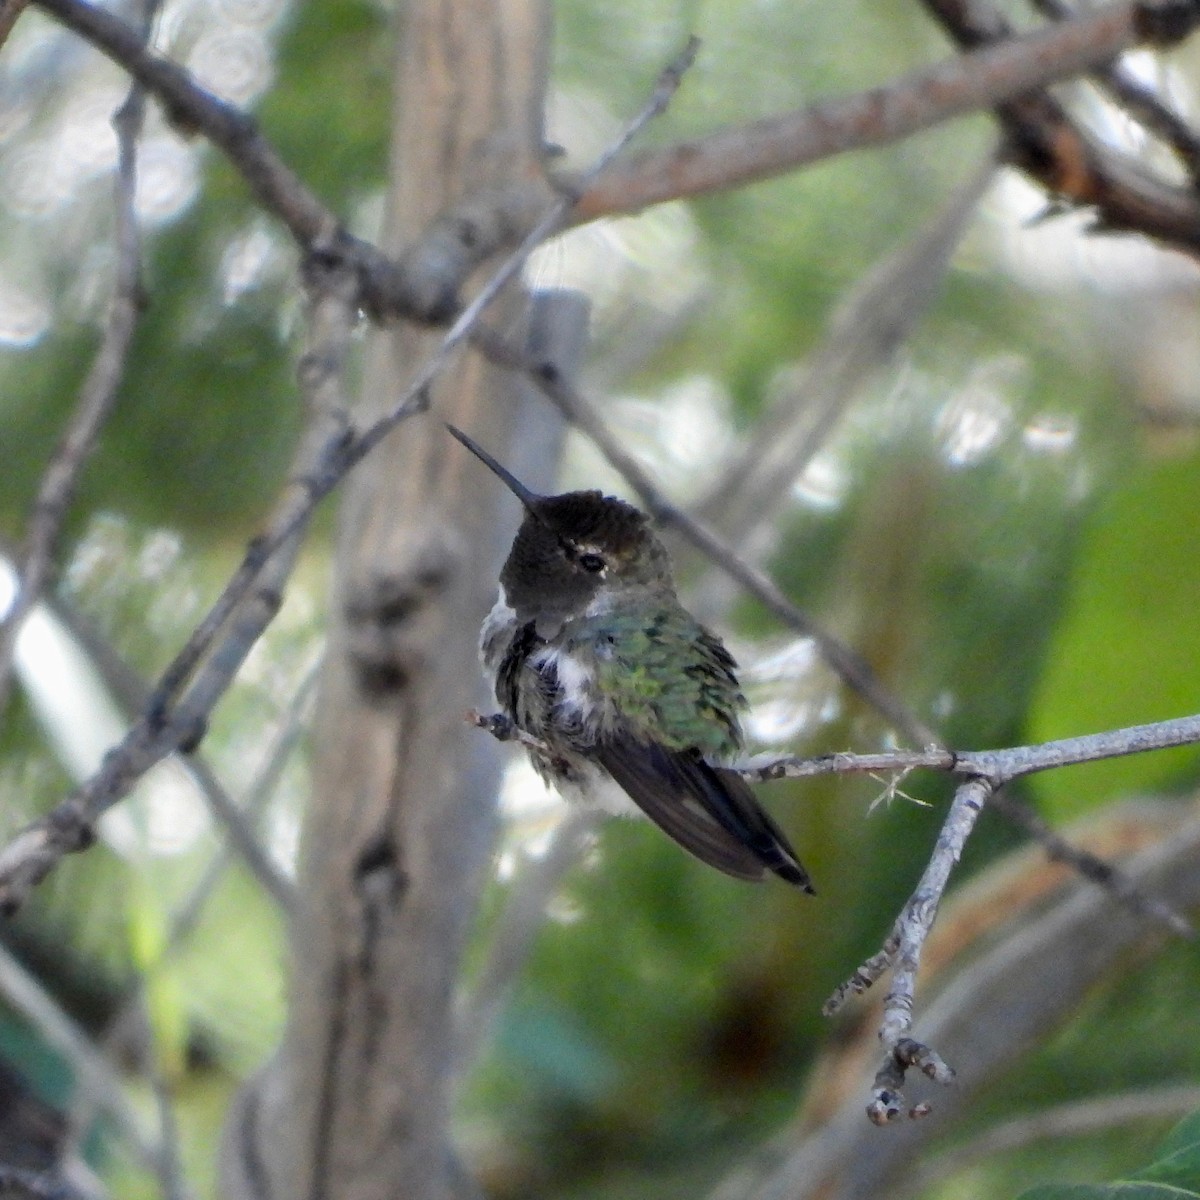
(900, 1050)
(169, 726)
(580, 413)
(998, 767)
(98, 395)
(187, 692)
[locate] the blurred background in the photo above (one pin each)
(974, 427)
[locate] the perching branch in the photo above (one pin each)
(984, 773)
(997, 767)
(988, 1016)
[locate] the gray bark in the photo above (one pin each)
(356, 1102)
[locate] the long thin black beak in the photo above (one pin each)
(527, 497)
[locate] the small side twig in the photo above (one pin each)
(901, 1051)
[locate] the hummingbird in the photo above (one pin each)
(591, 653)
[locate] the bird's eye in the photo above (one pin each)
(591, 562)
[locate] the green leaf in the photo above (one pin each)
(1175, 1174)
(1126, 652)
(1178, 1162)
(1110, 1191)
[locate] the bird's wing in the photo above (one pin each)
(711, 812)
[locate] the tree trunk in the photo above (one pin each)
(356, 1104)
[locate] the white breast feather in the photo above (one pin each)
(575, 680)
(495, 633)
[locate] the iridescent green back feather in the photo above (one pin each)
(671, 680)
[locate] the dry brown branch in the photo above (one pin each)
(423, 282)
(1051, 148)
(1139, 100)
(990, 74)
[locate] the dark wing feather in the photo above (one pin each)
(711, 812)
